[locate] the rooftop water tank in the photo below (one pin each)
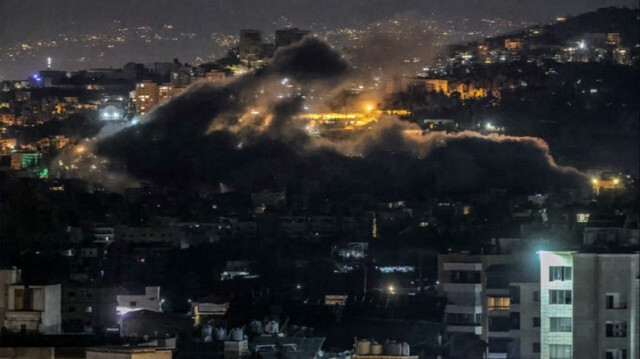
(220, 334)
(363, 347)
(393, 349)
(376, 348)
(237, 334)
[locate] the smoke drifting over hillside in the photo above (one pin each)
(394, 48)
(243, 135)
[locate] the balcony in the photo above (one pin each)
(468, 309)
(18, 320)
(463, 287)
(617, 306)
(464, 328)
(462, 266)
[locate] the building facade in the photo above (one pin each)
(463, 281)
(146, 96)
(556, 304)
(606, 306)
(589, 305)
(34, 308)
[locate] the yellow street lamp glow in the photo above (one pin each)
(391, 289)
(594, 180)
(368, 107)
(616, 181)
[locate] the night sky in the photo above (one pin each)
(44, 21)
(32, 18)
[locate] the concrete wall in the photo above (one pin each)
(529, 309)
(27, 353)
(7, 276)
(135, 354)
(52, 315)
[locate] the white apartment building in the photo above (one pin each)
(556, 305)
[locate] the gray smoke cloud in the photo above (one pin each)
(244, 134)
(399, 46)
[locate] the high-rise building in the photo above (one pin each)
(146, 96)
(286, 37)
(590, 305)
(250, 45)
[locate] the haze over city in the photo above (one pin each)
(319, 179)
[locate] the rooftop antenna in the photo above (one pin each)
(49, 63)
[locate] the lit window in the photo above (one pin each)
(498, 303)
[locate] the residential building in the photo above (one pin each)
(139, 235)
(103, 234)
(589, 305)
(132, 301)
(165, 92)
(88, 307)
(463, 281)
(146, 96)
(606, 306)
(497, 295)
(250, 45)
(33, 308)
(556, 304)
(208, 308)
(7, 276)
(112, 352)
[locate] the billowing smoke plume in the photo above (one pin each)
(245, 134)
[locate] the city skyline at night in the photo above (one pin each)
(363, 179)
